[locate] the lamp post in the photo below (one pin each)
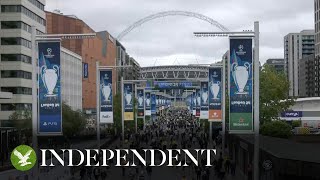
(256, 36)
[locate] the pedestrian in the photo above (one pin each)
(96, 173)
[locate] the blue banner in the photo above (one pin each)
(128, 101)
(140, 93)
(153, 104)
(85, 70)
(148, 103)
(106, 96)
(198, 100)
(194, 103)
(204, 114)
(50, 118)
(157, 102)
(215, 94)
(292, 114)
(240, 87)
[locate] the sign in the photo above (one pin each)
(204, 114)
(140, 93)
(292, 114)
(106, 96)
(215, 94)
(50, 112)
(240, 85)
(128, 101)
(157, 102)
(153, 104)
(85, 70)
(148, 103)
(198, 100)
(173, 85)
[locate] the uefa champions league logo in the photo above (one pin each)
(106, 88)
(214, 86)
(128, 96)
(50, 78)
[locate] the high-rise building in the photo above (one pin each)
(306, 76)
(17, 17)
(101, 48)
(277, 64)
(317, 48)
(296, 47)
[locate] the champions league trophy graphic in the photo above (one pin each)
(198, 99)
(106, 90)
(204, 97)
(148, 101)
(140, 100)
(157, 101)
(215, 89)
(194, 101)
(240, 75)
(49, 78)
(128, 96)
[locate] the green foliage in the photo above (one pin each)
(296, 123)
(278, 129)
(73, 122)
(274, 99)
(22, 119)
(117, 113)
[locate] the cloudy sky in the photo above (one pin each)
(170, 41)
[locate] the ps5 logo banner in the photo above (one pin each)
(50, 119)
(204, 101)
(240, 87)
(215, 92)
(106, 101)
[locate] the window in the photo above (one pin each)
(14, 107)
(17, 90)
(16, 57)
(15, 25)
(37, 4)
(16, 41)
(27, 12)
(16, 74)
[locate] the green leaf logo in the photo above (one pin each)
(23, 158)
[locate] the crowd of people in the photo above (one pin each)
(175, 129)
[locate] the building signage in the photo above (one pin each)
(240, 85)
(215, 94)
(85, 70)
(50, 106)
(106, 96)
(172, 85)
(128, 101)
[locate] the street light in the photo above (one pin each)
(254, 34)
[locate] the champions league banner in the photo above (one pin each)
(50, 112)
(106, 96)
(194, 103)
(240, 85)
(85, 70)
(204, 114)
(198, 100)
(215, 94)
(128, 101)
(157, 103)
(148, 103)
(153, 104)
(140, 93)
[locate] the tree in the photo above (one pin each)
(276, 128)
(73, 122)
(117, 113)
(22, 119)
(274, 99)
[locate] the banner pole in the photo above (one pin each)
(98, 102)
(256, 100)
(122, 108)
(34, 99)
(224, 75)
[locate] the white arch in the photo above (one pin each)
(171, 13)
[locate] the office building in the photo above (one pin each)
(296, 47)
(277, 64)
(306, 76)
(71, 79)
(317, 48)
(16, 19)
(101, 48)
